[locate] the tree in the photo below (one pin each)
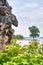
(18, 36)
(34, 32)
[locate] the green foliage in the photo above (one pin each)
(14, 54)
(18, 36)
(34, 31)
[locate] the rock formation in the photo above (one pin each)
(6, 20)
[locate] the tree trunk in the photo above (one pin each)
(33, 38)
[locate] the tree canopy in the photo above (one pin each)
(34, 31)
(18, 36)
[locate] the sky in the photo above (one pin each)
(28, 13)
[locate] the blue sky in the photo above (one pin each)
(28, 13)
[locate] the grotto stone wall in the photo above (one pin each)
(7, 19)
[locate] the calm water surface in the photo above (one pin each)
(26, 42)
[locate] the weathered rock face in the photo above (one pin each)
(6, 20)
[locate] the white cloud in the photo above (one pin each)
(27, 14)
(31, 5)
(23, 30)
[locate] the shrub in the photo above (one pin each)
(26, 55)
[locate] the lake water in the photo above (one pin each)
(26, 42)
